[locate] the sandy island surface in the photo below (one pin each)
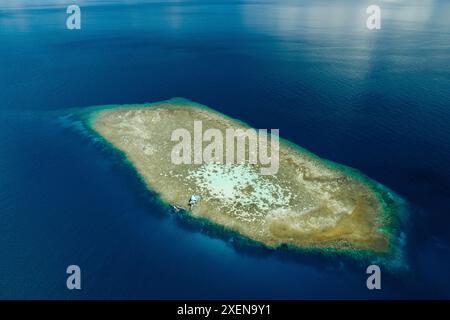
(309, 203)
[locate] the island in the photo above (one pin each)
(305, 202)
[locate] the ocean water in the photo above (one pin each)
(378, 101)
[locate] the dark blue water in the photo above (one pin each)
(377, 101)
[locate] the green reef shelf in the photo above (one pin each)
(309, 204)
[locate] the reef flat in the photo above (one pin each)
(309, 203)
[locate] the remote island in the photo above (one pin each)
(301, 201)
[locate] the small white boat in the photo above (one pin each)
(193, 200)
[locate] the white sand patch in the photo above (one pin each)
(239, 185)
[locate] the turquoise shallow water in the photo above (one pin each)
(377, 102)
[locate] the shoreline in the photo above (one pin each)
(393, 206)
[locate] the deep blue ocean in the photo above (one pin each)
(378, 101)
